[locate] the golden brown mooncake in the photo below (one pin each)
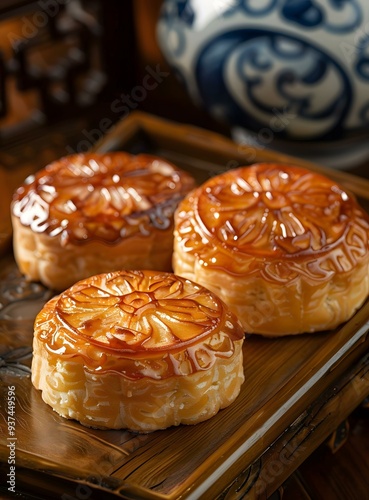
(140, 350)
(85, 214)
(286, 248)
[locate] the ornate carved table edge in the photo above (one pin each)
(307, 432)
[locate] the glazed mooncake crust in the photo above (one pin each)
(86, 214)
(139, 350)
(284, 247)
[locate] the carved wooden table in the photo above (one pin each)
(297, 390)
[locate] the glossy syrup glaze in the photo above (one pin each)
(139, 323)
(277, 220)
(101, 196)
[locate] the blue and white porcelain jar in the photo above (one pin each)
(296, 68)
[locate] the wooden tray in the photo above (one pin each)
(296, 390)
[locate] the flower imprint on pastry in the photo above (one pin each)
(101, 196)
(140, 323)
(270, 216)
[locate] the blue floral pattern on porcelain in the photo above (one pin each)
(250, 61)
